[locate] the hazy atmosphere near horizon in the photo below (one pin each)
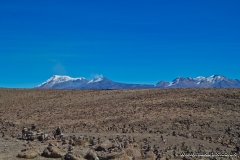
(126, 41)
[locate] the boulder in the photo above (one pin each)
(46, 153)
(104, 146)
(40, 137)
(28, 154)
(133, 152)
(52, 152)
(91, 155)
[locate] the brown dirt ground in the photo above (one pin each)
(193, 116)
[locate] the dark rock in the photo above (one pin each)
(91, 155)
(69, 156)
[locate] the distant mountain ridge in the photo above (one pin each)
(214, 81)
(66, 82)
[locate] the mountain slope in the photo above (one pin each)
(105, 83)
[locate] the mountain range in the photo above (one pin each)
(66, 82)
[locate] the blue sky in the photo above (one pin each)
(125, 41)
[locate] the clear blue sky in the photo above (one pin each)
(126, 41)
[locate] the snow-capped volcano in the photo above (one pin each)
(100, 82)
(214, 81)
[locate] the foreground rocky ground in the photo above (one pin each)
(121, 124)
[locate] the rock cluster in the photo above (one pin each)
(96, 148)
(87, 147)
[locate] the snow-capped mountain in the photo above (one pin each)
(66, 82)
(214, 81)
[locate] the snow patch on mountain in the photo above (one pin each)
(59, 79)
(200, 78)
(170, 84)
(211, 79)
(96, 79)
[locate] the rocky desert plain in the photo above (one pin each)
(120, 124)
